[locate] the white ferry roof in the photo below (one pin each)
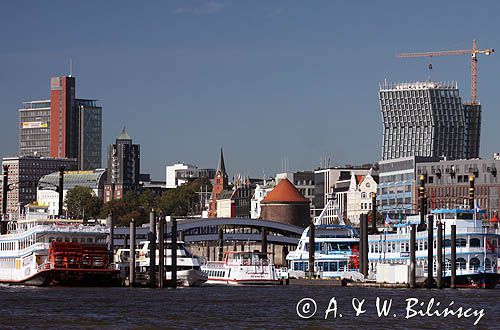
(440, 211)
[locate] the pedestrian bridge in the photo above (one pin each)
(236, 230)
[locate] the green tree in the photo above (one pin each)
(81, 202)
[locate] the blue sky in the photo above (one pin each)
(264, 79)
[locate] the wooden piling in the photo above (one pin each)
(174, 252)
(413, 243)
(263, 238)
(453, 238)
(312, 243)
(439, 255)
(132, 253)
(364, 256)
(430, 250)
(152, 249)
(161, 261)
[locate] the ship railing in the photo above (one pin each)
(61, 228)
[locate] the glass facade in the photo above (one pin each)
(423, 119)
(34, 128)
(90, 134)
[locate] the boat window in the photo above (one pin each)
(82, 240)
(89, 240)
(461, 263)
(487, 264)
(475, 242)
(474, 264)
(74, 239)
(59, 239)
(461, 242)
(51, 239)
(66, 239)
(425, 245)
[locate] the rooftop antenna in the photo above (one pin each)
(71, 67)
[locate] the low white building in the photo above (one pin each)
(46, 192)
(261, 191)
(359, 195)
(180, 173)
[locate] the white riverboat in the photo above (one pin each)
(188, 266)
(242, 268)
(336, 253)
(477, 248)
(47, 252)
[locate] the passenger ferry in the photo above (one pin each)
(47, 252)
(336, 253)
(188, 266)
(242, 268)
(477, 248)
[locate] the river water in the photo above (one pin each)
(247, 307)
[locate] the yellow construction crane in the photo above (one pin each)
(473, 52)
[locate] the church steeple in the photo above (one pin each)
(221, 167)
(221, 182)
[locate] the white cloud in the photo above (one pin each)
(208, 8)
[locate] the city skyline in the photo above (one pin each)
(293, 80)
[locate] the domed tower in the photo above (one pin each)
(286, 204)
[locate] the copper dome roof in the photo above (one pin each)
(285, 192)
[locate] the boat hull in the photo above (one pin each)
(225, 281)
(480, 280)
(71, 277)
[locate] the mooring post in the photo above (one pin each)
(208, 250)
(413, 243)
(365, 244)
(453, 238)
(374, 213)
(111, 225)
(430, 250)
(161, 241)
(263, 234)
(60, 191)
(361, 242)
(220, 250)
(152, 249)
(132, 253)
(421, 196)
(471, 192)
(439, 255)
(5, 189)
(174, 252)
(312, 243)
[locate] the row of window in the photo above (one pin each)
(216, 273)
(421, 245)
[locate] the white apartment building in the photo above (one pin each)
(359, 196)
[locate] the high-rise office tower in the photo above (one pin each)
(64, 118)
(62, 127)
(34, 128)
(89, 134)
(123, 167)
(427, 119)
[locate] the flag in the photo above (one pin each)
(387, 220)
(477, 207)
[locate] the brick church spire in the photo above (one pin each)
(221, 182)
